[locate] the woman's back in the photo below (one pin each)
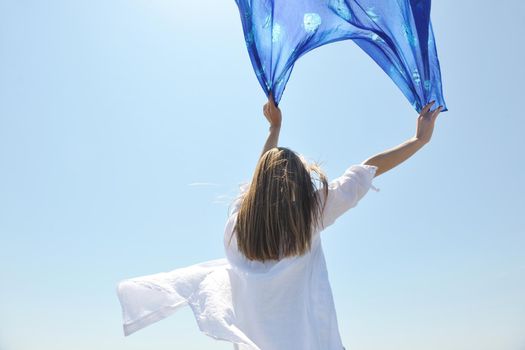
(288, 303)
(273, 305)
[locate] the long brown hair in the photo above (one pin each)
(279, 211)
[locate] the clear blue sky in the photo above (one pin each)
(112, 112)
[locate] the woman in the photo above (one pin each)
(272, 291)
(283, 299)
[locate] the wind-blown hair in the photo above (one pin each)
(281, 208)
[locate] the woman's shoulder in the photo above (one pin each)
(237, 201)
(229, 229)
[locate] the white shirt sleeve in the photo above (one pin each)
(346, 191)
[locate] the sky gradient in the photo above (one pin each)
(127, 126)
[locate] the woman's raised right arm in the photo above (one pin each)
(392, 157)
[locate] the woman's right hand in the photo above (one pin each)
(425, 123)
(272, 112)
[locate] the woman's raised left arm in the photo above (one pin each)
(274, 117)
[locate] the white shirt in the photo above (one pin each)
(275, 305)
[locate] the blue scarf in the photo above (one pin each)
(396, 34)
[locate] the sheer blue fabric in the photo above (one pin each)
(396, 34)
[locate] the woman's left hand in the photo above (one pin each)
(272, 112)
